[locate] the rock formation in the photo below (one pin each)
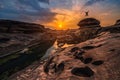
(93, 59)
(16, 35)
(89, 22)
(117, 22)
(89, 28)
(10, 26)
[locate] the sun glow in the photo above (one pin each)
(60, 25)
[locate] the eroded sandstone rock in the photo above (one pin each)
(117, 22)
(89, 22)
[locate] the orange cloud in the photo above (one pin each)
(66, 18)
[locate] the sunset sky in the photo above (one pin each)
(60, 14)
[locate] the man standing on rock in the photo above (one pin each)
(87, 13)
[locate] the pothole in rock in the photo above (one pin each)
(87, 60)
(112, 50)
(79, 58)
(82, 71)
(74, 49)
(79, 53)
(60, 68)
(88, 47)
(97, 63)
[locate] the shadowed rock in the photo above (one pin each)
(80, 58)
(46, 66)
(79, 53)
(97, 63)
(89, 22)
(52, 66)
(83, 72)
(3, 40)
(112, 50)
(74, 78)
(88, 47)
(117, 22)
(60, 68)
(88, 60)
(11, 26)
(74, 49)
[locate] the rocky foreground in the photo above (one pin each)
(93, 59)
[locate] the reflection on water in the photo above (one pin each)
(54, 48)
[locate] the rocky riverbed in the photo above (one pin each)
(93, 59)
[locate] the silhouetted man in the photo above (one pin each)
(87, 13)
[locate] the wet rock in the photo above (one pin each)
(82, 72)
(88, 60)
(88, 47)
(97, 63)
(60, 68)
(74, 49)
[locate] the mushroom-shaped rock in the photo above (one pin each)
(89, 22)
(117, 22)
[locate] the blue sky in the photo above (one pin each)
(67, 12)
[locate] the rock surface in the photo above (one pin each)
(117, 22)
(102, 54)
(10, 26)
(89, 28)
(89, 22)
(15, 35)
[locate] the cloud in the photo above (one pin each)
(62, 4)
(45, 1)
(91, 2)
(26, 10)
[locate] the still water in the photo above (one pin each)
(54, 48)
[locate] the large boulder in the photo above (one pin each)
(89, 22)
(117, 22)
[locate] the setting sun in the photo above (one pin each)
(60, 25)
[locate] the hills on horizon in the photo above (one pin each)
(12, 26)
